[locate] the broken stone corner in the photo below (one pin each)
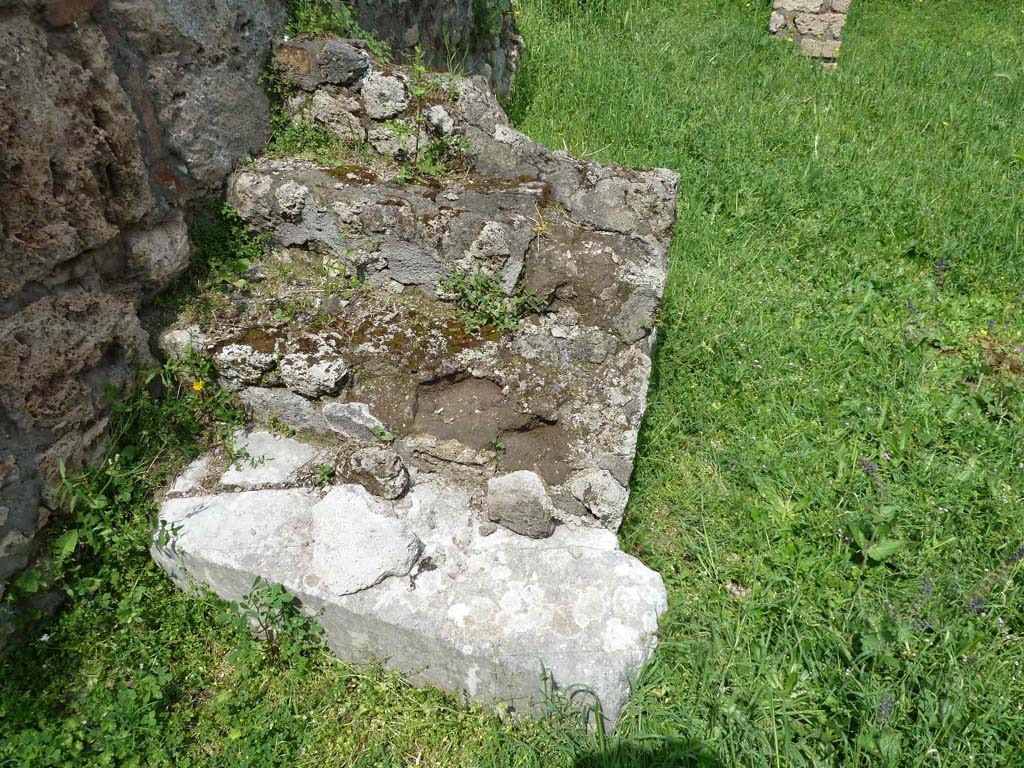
(479, 457)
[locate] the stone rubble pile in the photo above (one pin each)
(454, 324)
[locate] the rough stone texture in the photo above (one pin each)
(352, 420)
(563, 395)
(502, 449)
(293, 410)
(56, 356)
(816, 26)
(519, 501)
(114, 115)
(380, 470)
(600, 494)
(416, 583)
(384, 96)
(474, 36)
(312, 374)
(265, 459)
(310, 62)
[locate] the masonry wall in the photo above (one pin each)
(816, 26)
(116, 116)
(473, 36)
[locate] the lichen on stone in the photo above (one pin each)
(467, 349)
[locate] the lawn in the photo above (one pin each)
(831, 472)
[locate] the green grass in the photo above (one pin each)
(835, 433)
(809, 329)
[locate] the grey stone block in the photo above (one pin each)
(416, 584)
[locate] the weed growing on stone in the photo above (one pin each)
(483, 303)
(302, 137)
(278, 427)
(339, 281)
(306, 139)
(330, 18)
(443, 153)
(225, 249)
(323, 475)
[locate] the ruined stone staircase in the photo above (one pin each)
(454, 326)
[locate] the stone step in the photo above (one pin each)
(423, 582)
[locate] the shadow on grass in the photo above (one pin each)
(650, 753)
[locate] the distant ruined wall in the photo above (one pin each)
(475, 36)
(115, 117)
(816, 26)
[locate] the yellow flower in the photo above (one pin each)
(197, 386)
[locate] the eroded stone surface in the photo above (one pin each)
(113, 116)
(520, 502)
(559, 393)
(378, 469)
(417, 583)
(266, 459)
(469, 354)
(312, 62)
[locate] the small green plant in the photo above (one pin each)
(299, 136)
(278, 427)
(421, 84)
(338, 280)
(441, 153)
(437, 159)
(241, 248)
(286, 314)
(303, 138)
(166, 533)
(330, 18)
(272, 615)
(323, 475)
(488, 19)
(288, 307)
(872, 537)
(240, 459)
(225, 249)
(540, 226)
(155, 425)
(383, 435)
(497, 443)
(483, 303)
